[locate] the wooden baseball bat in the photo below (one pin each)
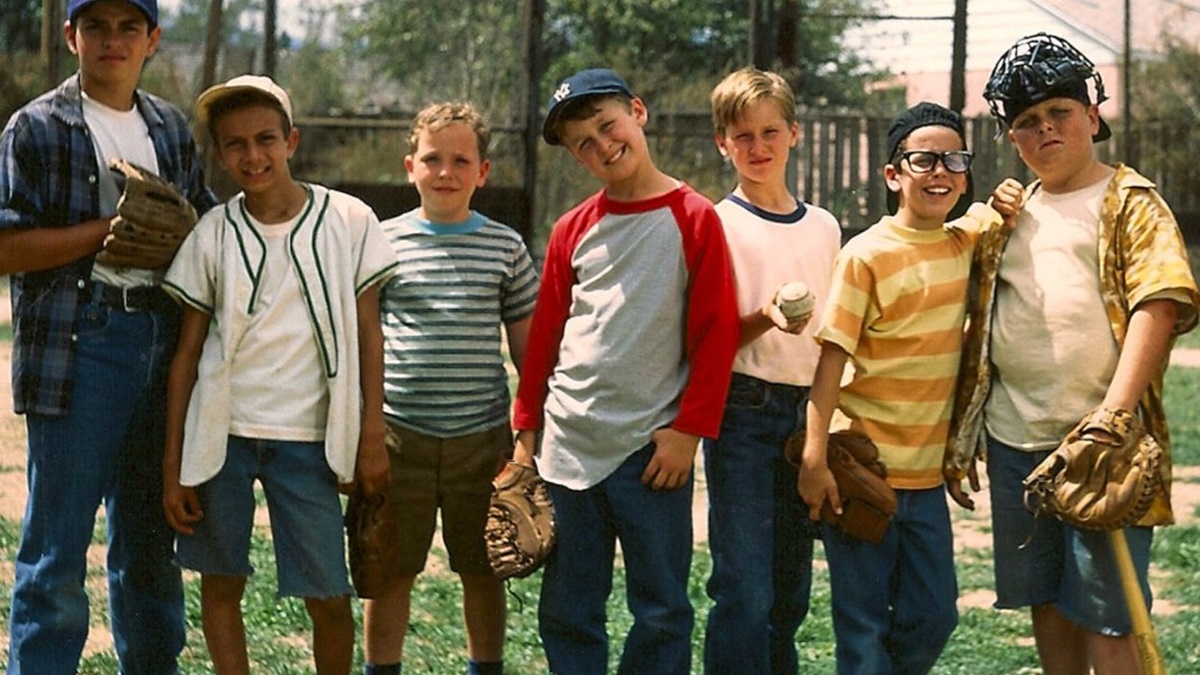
(1143, 630)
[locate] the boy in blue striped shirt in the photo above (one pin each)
(462, 276)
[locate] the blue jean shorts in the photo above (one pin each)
(1040, 561)
(305, 511)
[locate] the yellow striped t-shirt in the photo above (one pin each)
(897, 307)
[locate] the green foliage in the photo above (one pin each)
(1181, 392)
(446, 50)
(1164, 100)
(20, 25)
(675, 48)
(189, 23)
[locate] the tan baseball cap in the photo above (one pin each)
(259, 83)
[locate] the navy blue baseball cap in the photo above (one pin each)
(148, 7)
(589, 82)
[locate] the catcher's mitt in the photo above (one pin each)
(373, 542)
(520, 524)
(868, 502)
(152, 220)
(1104, 476)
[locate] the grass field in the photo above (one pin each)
(986, 642)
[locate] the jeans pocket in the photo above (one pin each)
(746, 393)
(93, 320)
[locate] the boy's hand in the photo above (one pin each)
(815, 484)
(182, 507)
(791, 307)
(671, 465)
(794, 326)
(523, 452)
(373, 468)
(955, 489)
(1007, 199)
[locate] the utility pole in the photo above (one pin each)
(1127, 89)
(761, 45)
(958, 58)
(212, 44)
(271, 37)
(52, 40)
(534, 18)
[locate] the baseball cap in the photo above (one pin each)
(590, 82)
(148, 7)
(925, 114)
(241, 83)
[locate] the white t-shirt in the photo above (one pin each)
(118, 134)
(1052, 345)
(767, 250)
(277, 384)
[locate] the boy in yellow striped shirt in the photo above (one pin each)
(895, 312)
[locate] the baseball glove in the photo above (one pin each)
(1103, 476)
(868, 502)
(152, 220)
(520, 524)
(373, 542)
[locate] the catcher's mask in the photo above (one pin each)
(1040, 67)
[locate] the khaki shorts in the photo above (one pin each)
(453, 475)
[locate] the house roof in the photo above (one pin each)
(918, 38)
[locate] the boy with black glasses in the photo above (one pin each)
(896, 310)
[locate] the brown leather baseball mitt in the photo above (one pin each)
(868, 502)
(152, 220)
(520, 529)
(373, 542)
(1103, 476)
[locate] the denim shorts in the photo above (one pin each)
(1041, 561)
(305, 511)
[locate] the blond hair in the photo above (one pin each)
(741, 88)
(436, 116)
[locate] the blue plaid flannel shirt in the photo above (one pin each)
(49, 178)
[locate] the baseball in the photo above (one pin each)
(795, 300)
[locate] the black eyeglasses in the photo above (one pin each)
(924, 161)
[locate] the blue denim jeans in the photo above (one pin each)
(306, 517)
(759, 533)
(894, 603)
(106, 449)
(655, 531)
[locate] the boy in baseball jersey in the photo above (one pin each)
(896, 311)
(461, 277)
(90, 349)
(758, 529)
(278, 376)
(1077, 309)
(627, 367)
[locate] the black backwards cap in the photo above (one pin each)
(1039, 67)
(925, 114)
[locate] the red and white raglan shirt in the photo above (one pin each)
(635, 329)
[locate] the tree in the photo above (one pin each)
(20, 25)
(677, 48)
(1165, 102)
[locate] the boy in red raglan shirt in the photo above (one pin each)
(627, 366)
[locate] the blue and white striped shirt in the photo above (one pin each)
(442, 312)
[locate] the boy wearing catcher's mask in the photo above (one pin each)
(1077, 310)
